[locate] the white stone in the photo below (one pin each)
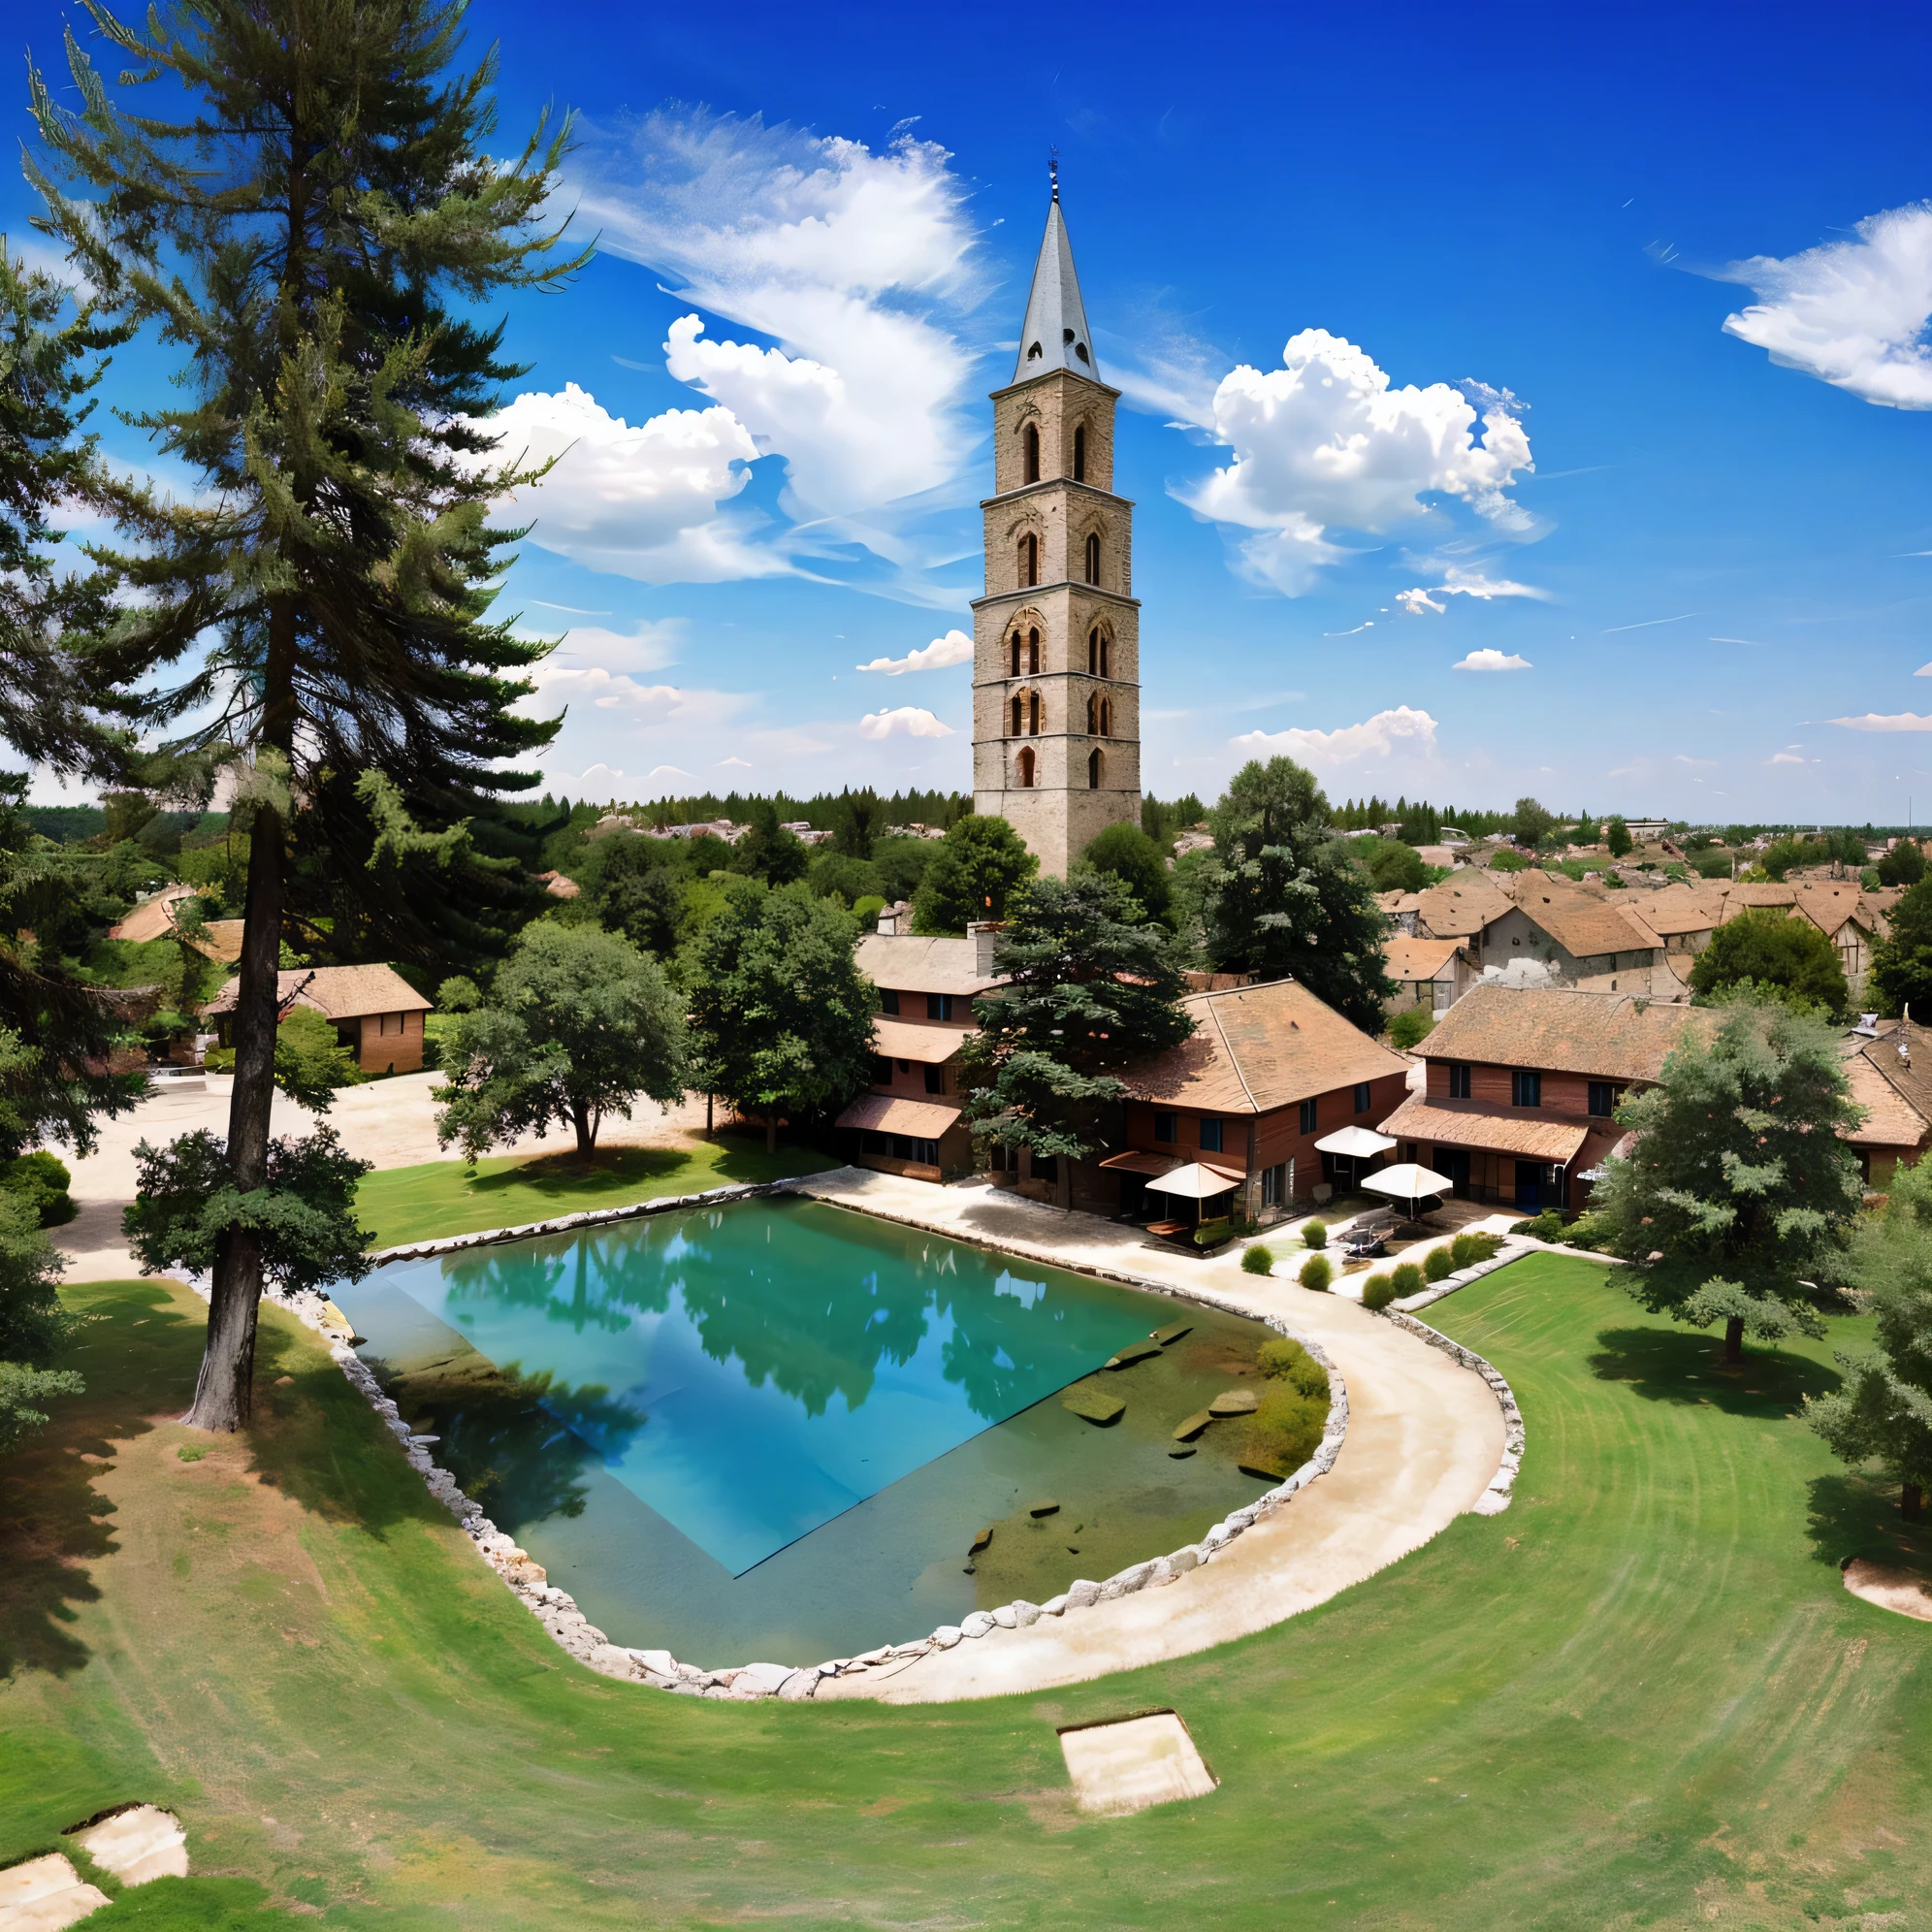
(798, 1687)
(1129, 1765)
(139, 1843)
(766, 1678)
(1184, 1561)
(659, 1661)
(978, 1624)
(1006, 1617)
(1024, 1614)
(1053, 1605)
(1081, 1593)
(946, 1635)
(46, 1894)
(611, 1661)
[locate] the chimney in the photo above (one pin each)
(985, 935)
(895, 921)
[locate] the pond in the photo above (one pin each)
(777, 1429)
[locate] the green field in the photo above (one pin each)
(420, 1203)
(1640, 1697)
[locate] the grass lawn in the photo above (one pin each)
(1640, 1697)
(420, 1203)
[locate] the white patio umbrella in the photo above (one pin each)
(1193, 1183)
(1409, 1182)
(1354, 1144)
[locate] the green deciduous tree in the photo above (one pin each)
(1532, 822)
(640, 895)
(1737, 1197)
(1286, 899)
(1902, 957)
(974, 872)
(781, 1017)
(579, 1023)
(33, 1325)
(313, 233)
(1131, 856)
(1903, 865)
(1617, 837)
(1789, 956)
(1882, 1411)
(1092, 986)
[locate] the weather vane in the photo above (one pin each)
(1054, 168)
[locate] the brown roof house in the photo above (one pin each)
(1433, 974)
(376, 1013)
(1888, 1065)
(1270, 1073)
(1556, 934)
(155, 919)
(910, 1122)
(1522, 1085)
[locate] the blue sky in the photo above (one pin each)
(1421, 316)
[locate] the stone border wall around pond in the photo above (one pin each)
(570, 1628)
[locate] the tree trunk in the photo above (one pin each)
(1910, 1503)
(587, 1133)
(708, 1098)
(771, 1133)
(1735, 1338)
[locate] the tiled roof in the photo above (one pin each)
(912, 965)
(1585, 928)
(1460, 907)
(335, 992)
(1408, 959)
(1679, 909)
(153, 917)
(1260, 1047)
(907, 1040)
(925, 1120)
(1910, 1075)
(1607, 1036)
(1828, 905)
(1891, 1120)
(1415, 1119)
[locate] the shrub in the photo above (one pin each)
(1284, 1361)
(1548, 1225)
(1469, 1247)
(1407, 1278)
(1315, 1235)
(1317, 1271)
(1282, 1433)
(1436, 1264)
(1257, 1260)
(1378, 1291)
(1211, 1234)
(219, 1059)
(40, 1180)
(1410, 1028)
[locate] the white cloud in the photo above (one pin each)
(855, 262)
(734, 764)
(645, 705)
(1853, 314)
(1461, 583)
(1491, 660)
(1923, 671)
(908, 721)
(954, 648)
(1785, 758)
(638, 503)
(1901, 720)
(1325, 443)
(648, 647)
(1375, 737)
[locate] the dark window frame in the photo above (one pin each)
(1167, 1127)
(1526, 1088)
(1363, 1098)
(1311, 1114)
(1459, 1079)
(1210, 1137)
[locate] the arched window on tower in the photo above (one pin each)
(1093, 714)
(1033, 654)
(1106, 655)
(1093, 654)
(1106, 718)
(1016, 654)
(1093, 769)
(1093, 557)
(1029, 561)
(1031, 444)
(1025, 767)
(1018, 712)
(1080, 453)
(1032, 715)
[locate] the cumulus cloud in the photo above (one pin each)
(1853, 313)
(857, 264)
(1899, 720)
(908, 722)
(1461, 583)
(648, 646)
(1375, 737)
(648, 503)
(1491, 660)
(954, 648)
(1416, 601)
(1326, 442)
(559, 685)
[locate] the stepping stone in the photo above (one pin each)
(1127, 1766)
(1043, 1509)
(47, 1893)
(1234, 1402)
(1184, 1449)
(1172, 1332)
(1139, 1352)
(1095, 1406)
(1194, 1425)
(980, 1542)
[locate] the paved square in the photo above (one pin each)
(1140, 1762)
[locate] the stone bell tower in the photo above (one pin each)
(1056, 657)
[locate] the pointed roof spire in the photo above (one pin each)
(1055, 334)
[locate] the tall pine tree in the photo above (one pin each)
(302, 232)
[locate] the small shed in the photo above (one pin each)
(378, 1015)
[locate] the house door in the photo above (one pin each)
(1530, 1179)
(1455, 1163)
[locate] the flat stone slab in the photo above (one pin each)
(1234, 1402)
(1193, 1425)
(1127, 1357)
(1048, 1508)
(1124, 1767)
(45, 1894)
(140, 1843)
(1095, 1406)
(1172, 1332)
(1890, 1589)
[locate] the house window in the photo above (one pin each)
(1093, 559)
(1210, 1137)
(1031, 444)
(935, 1079)
(1310, 1114)
(882, 1071)
(889, 1000)
(1459, 1080)
(1093, 770)
(939, 1006)
(1080, 453)
(1361, 1096)
(1274, 1185)
(1526, 1089)
(1029, 560)
(1602, 1100)
(1164, 1127)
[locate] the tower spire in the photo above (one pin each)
(1055, 334)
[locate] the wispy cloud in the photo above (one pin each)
(1873, 721)
(1651, 622)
